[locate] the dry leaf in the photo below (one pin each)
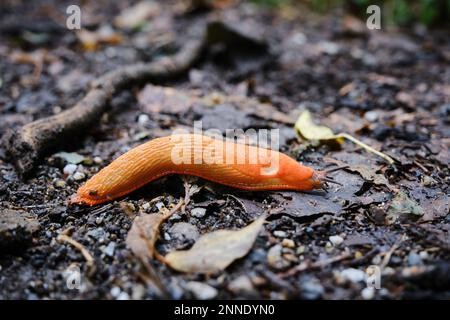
(310, 131)
(143, 234)
(216, 250)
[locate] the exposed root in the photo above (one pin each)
(27, 145)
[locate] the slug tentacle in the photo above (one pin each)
(232, 164)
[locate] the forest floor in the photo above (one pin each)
(390, 89)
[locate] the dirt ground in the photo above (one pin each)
(390, 89)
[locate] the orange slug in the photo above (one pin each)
(232, 164)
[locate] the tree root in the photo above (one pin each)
(26, 146)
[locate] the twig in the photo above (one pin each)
(388, 254)
(27, 145)
(87, 256)
(307, 265)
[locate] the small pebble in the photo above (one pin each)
(146, 206)
(109, 250)
(98, 160)
(98, 221)
(301, 250)
(414, 259)
(358, 255)
(336, 240)
(241, 284)
(70, 169)
(312, 289)
(368, 293)
(423, 255)
(79, 176)
(123, 296)
(201, 291)
(198, 212)
(280, 234)
(115, 291)
(143, 119)
(353, 275)
(275, 259)
(288, 243)
(60, 183)
(371, 116)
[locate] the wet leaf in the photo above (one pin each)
(216, 250)
(337, 198)
(402, 205)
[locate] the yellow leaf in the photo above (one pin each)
(310, 131)
(216, 250)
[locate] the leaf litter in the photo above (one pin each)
(215, 251)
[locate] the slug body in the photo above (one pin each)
(232, 164)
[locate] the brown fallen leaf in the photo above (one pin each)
(144, 232)
(216, 250)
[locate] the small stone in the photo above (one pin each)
(201, 291)
(138, 292)
(358, 255)
(175, 217)
(143, 119)
(184, 231)
(198, 212)
(275, 259)
(109, 250)
(301, 250)
(159, 205)
(98, 160)
(146, 206)
(123, 296)
(312, 289)
(353, 275)
(371, 116)
(329, 247)
(69, 169)
(115, 291)
(79, 176)
(336, 240)
(414, 259)
(97, 234)
(98, 221)
(60, 184)
(241, 284)
(368, 293)
(288, 243)
(167, 236)
(280, 234)
(423, 255)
